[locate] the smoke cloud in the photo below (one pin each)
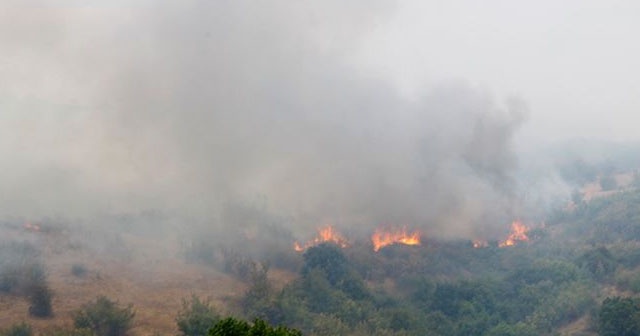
(186, 106)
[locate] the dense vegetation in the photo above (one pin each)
(451, 288)
(583, 265)
(330, 297)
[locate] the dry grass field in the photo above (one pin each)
(147, 273)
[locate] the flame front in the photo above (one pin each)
(325, 235)
(31, 227)
(478, 243)
(518, 233)
(381, 238)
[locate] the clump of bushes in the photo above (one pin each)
(19, 267)
(238, 265)
(233, 327)
(22, 273)
(20, 329)
(196, 317)
(79, 270)
(32, 284)
(104, 317)
(40, 300)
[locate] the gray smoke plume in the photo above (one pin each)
(185, 106)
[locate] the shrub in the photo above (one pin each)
(28, 279)
(234, 327)
(104, 317)
(258, 299)
(78, 270)
(238, 265)
(619, 317)
(40, 300)
(20, 329)
(196, 317)
(8, 278)
(329, 259)
(19, 278)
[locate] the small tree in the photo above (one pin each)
(104, 317)
(258, 299)
(40, 300)
(196, 317)
(234, 327)
(619, 317)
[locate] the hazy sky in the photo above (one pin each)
(575, 62)
(362, 111)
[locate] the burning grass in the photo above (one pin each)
(382, 238)
(326, 234)
(518, 234)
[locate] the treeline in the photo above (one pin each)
(331, 298)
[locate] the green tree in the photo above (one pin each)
(196, 317)
(233, 327)
(619, 317)
(329, 259)
(599, 262)
(104, 317)
(40, 300)
(258, 299)
(518, 329)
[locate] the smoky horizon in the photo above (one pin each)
(190, 109)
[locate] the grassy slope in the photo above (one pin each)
(154, 286)
(155, 279)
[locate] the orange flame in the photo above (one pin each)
(326, 234)
(478, 243)
(31, 227)
(382, 238)
(518, 233)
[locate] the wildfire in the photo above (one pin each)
(478, 243)
(31, 227)
(382, 238)
(518, 233)
(326, 234)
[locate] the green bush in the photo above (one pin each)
(104, 317)
(196, 317)
(619, 317)
(234, 327)
(20, 329)
(40, 300)
(19, 265)
(28, 279)
(518, 329)
(78, 270)
(20, 277)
